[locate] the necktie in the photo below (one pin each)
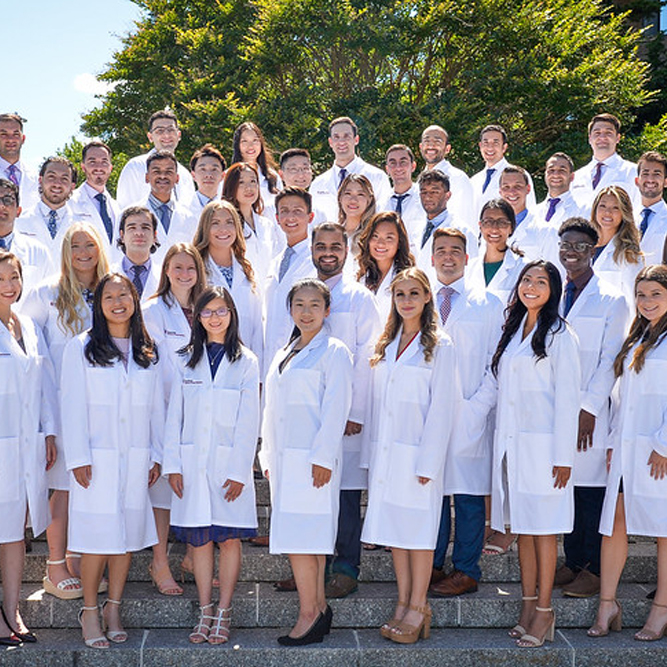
(553, 202)
(165, 216)
(646, 214)
(399, 202)
(13, 172)
(598, 174)
(489, 174)
(138, 270)
(570, 289)
(104, 214)
(341, 177)
(427, 232)
(446, 303)
(285, 262)
(3, 245)
(52, 223)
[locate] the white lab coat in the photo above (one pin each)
(474, 325)
(152, 281)
(27, 405)
(537, 241)
(493, 189)
(653, 242)
(537, 422)
(210, 437)
(412, 211)
(307, 407)
(29, 185)
(413, 408)
(617, 171)
(40, 305)
(132, 185)
(383, 297)
(462, 201)
(262, 245)
(248, 304)
(566, 208)
(35, 260)
(621, 275)
(600, 317)
(86, 210)
(355, 320)
(112, 420)
(639, 427)
(32, 223)
(503, 282)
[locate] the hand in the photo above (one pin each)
(321, 476)
(352, 428)
(586, 428)
(423, 480)
(609, 453)
(83, 475)
(561, 475)
(176, 483)
(51, 451)
(266, 474)
(658, 465)
(233, 490)
(153, 474)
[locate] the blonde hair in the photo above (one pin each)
(70, 301)
(626, 239)
(164, 287)
(201, 238)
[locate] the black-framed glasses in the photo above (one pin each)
(579, 246)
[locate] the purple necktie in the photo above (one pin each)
(598, 174)
(553, 202)
(446, 304)
(489, 175)
(13, 173)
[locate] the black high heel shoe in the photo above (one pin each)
(27, 637)
(314, 635)
(328, 618)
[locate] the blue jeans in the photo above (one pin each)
(348, 540)
(470, 514)
(582, 546)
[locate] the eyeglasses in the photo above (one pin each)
(164, 130)
(580, 246)
(8, 200)
(493, 223)
(298, 170)
(220, 312)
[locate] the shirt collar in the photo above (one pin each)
(351, 168)
(127, 265)
(439, 219)
(92, 192)
(46, 210)
(581, 281)
(333, 281)
(156, 203)
(458, 285)
(520, 217)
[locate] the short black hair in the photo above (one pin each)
(581, 225)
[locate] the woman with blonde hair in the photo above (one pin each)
(220, 241)
(356, 206)
(617, 257)
(62, 309)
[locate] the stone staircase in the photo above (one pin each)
(469, 631)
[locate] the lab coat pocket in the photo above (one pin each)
(402, 486)
(534, 463)
(100, 385)
(9, 470)
(645, 484)
(297, 493)
(142, 392)
(226, 406)
(101, 496)
(654, 372)
(138, 467)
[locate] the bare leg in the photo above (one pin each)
(12, 557)
(202, 564)
(119, 566)
(92, 567)
(528, 570)
(160, 566)
(56, 538)
(306, 570)
(229, 568)
(657, 618)
(546, 551)
(420, 564)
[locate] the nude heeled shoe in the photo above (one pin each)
(518, 630)
(531, 641)
(645, 635)
(93, 642)
(615, 623)
(115, 636)
(387, 627)
(403, 633)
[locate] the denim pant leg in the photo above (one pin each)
(444, 532)
(470, 515)
(348, 541)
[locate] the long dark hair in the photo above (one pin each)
(547, 318)
(195, 348)
(265, 159)
(230, 186)
(100, 349)
(312, 283)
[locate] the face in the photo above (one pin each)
(293, 218)
(354, 200)
(514, 190)
(651, 300)
(603, 139)
(11, 140)
(449, 259)
(651, 180)
(558, 176)
(308, 310)
(399, 166)
(9, 211)
(10, 283)
(57, 184)
(410, 299)
(214, 319)
(208, 173)
(247, 191)
(250, 146)
(117, 302)
(329, 252)
(222, 233)
(383, 242)
(575, 253)
(85, 253)
(495, 227)
(492, 147)
(182, 271)
(434, 197)
(164, 134)
(297, 171)
(608, 213)
(138, 235)
(97, 166)
(534, 290)
(434, 146)
(162, 176)
(343, 141)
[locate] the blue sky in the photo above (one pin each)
(52, 50)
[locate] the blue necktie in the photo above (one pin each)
(104, 214)
(427, 232)
(3, 245)
(285, 262)
(341, 177)
(646, 214)
(138, 270)
(165, 216)
(399, 202)
(52, 224)
(570, 289)
(553, 202)
(489, 174)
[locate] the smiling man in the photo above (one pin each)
(651, 216)
(11, 166)
(207, 168)
(559, 204)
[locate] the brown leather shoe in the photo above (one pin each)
(436, 576)
(259, 541)
(564, 575)
(286, 585)
(586, 585)
(455, 583)
(340, 586)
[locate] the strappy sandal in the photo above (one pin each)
(164, 582)
(60, 589)
(202, 630)
(531, 641)
(404, 633)
(518, 630)
(93, 642)
(387, 627)
(615, 622)
(115, 636)
(645, 635)
(220, 629)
